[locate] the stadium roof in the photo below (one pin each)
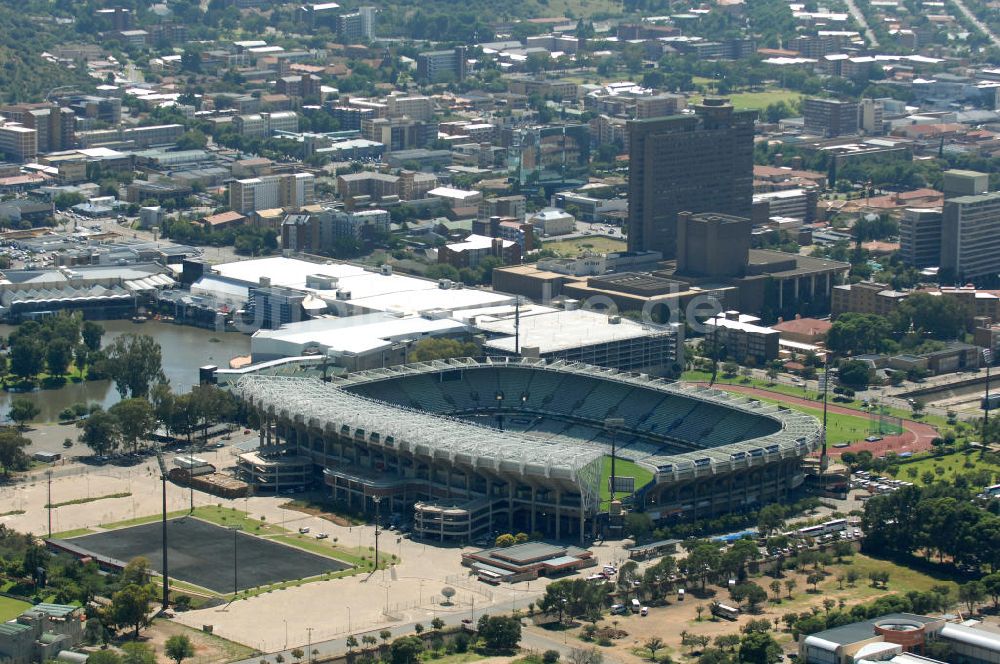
(325, 406)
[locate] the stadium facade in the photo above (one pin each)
(471, 447)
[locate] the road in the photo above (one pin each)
(863, 22)
(976, 22)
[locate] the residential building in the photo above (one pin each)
(55, 126)
(872, 116)
(357, 26)
(400, 133)
(736, 335)
(291, 191)
(970, 238)
(553, 221)
(687, 163)
(865, 297)
(549, 156)
(362, 225)
(413, 107)
(471, 251)
(830, 117)
(920, 237)
(18, 143)
(442, 66)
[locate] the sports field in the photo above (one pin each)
(11, 608)
(205, 554)
(623, 468)
(598, 243)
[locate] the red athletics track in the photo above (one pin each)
(916, 436)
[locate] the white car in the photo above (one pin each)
(321, 535)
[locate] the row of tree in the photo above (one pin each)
(939, 521)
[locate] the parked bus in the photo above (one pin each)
(725, 611)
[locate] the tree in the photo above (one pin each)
(133, 362)
(135, 421)
(104, 657)
(855, 374)
(703, 562)
(770, 519)
(441, 349)
(27, 358)
(500, 633)
(23, 411)
(91, 333)
(130, 607)
(759, 648)
(297, 654)
(385, 635)
(437, 623)
(12, 456)
(971, 593)
(652, 645)
(179, 648)
(139, 653)
(99, 432)
(505, 540)
(351, 643)
(814, 579)
(775, 587)
(406, 650)
(790, 586)
(58, 355)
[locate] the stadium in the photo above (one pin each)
(466, 448)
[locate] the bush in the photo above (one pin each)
(462, 642)
(66, 414)
(550, 657)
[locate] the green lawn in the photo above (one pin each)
(11, 608)
(950, 465)
(623, 468)
(598, 243)
(754, 100)
(331, 550)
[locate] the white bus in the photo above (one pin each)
(725, 611)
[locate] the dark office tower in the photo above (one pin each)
(687, 163)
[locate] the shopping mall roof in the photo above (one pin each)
(369, 290)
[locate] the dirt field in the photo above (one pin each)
(208, 649)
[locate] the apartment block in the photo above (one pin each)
(830, 117)
(292, 191)
(687, 163)
(18, 143)
(442, 66)
(970, 238)
(920, 237)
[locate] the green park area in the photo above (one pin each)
(597, 243)
(623, 468)
(946, 467)
(754, 100)
(11, 608)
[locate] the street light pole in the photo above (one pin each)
(309, 654)
(166, 581)
(378, 502)
(48, 504)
